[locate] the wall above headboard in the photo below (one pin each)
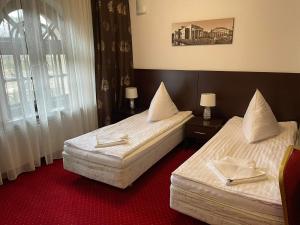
(234, 90)
(266, 35)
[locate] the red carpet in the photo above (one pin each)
(52, 196)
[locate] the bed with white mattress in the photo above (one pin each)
(120, 165)
(197, 192)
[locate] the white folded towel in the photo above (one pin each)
(233, 171)
(111, 140)
(103, 145)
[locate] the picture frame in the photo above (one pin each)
(203, 32)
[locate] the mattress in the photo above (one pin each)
(196, 191)
(125, 176)
(139, 132)
(121, 172)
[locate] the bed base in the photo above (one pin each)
(123, 177)
(216, 213)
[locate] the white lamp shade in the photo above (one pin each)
(131, 92)
(208, 99)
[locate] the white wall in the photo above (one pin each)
(266, 35)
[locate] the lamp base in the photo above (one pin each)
(207, 113)
(131, 101)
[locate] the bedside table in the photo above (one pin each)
(124, 113)
(202, 130)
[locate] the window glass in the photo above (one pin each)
(56, 86)
(16, 16)
(16, 25)
(56, 64)
(12, 92)
(8, 66)
(4, 29)
(50, 65)
(25, 65)
(63, 64)
(66, 85)
(49, 29)
(28, 89)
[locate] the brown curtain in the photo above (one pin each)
(113, 55)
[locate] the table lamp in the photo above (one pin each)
(131, 94)
(207, 100)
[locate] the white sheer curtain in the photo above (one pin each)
(47, 87)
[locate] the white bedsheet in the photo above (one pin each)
(194, 176)
(137, 128)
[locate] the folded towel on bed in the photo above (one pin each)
(111, 140)
(233, 171)
(109, 144)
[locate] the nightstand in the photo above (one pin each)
(200, 130)
(124, 113)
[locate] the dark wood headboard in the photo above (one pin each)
(234, 90)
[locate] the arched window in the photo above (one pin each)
(20, 28)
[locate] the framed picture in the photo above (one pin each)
(203, 32)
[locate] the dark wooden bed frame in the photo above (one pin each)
(234, 90)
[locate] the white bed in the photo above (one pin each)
(197, 192)
(122, 164)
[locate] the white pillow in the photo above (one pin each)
(259, 122)
(161, 106)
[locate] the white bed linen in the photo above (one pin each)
(137, 128)
(116, 162)
(195, 177)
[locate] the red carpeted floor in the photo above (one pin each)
(51, 196)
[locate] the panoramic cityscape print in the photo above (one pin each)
(205, 32)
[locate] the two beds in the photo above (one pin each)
(197, 192)
(120, 165)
